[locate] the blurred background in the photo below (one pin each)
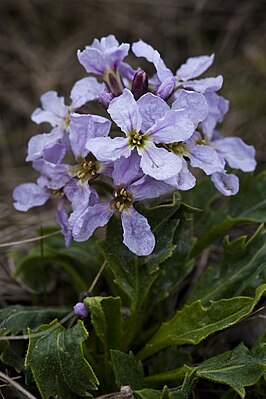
(38, 44)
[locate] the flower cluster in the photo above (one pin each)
(163, 126)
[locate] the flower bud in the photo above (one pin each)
(80, 310)
(105, 98)
(140, 84)
(166, 88)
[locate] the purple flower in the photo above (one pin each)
(145, 122)
(103, 55)
(225, 183)
(137, 235)
(58, 114)
(191, 69)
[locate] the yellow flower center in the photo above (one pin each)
(122, 199)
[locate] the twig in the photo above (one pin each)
(16, 385)
(30, 239)
(97, 277)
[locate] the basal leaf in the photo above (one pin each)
(18, 318)
(243, 265)
(106, 317)
(127, 370)
(55, 357)
(237, 368)
(194, 322)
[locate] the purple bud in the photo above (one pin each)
(140, 84)
(80, 309)
(105, 98)
(166, 88)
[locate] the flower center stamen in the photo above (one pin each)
(85, 170)
(136, 139)
(178, 148)
(122, 200)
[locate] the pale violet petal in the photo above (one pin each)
(205, 158)
(127, 170)
(137, 233)
(194, 67)
(62, 220)
(173, 126)
(151, 108)
(39, 142)
(226, 184)
(92, 60)
(142, 49)
(158, 162)
(84, 90)
(108, 149)
(195, 104)
(53, 109)
(203, 85)
(55, 154)
(83, 128)
(56, 175)
(238, 154)
(125, 113)
(218, 107)
(93, 217)
(147, 187)
(28, 195)
(184, 180)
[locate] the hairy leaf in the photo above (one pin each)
(16, 318)
(194, 322)
(243, 265)
(55, 357)
(106, 317)
(127, 370)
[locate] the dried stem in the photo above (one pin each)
(16, 385)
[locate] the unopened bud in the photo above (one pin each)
(105, 98)
(166, 88)
(80, 310)
(140, 84)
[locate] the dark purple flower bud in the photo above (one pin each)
(80, 309)
(140, 84)
(105, 98)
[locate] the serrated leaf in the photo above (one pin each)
(249, 205)
(55, 357)
(18, 318)
(106, 317)
(194, 322)
(235, 368)
(127, 370)
(243, 266)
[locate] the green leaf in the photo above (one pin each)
(235, 368)
(177, 267)
(37, 272)
(249, 205)
(243, 266)
(194, 322)
(135, 275)
(55, 356)
(106, 317)
(18, 318)
(147, 393)
(9, 357)
(127, 370)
